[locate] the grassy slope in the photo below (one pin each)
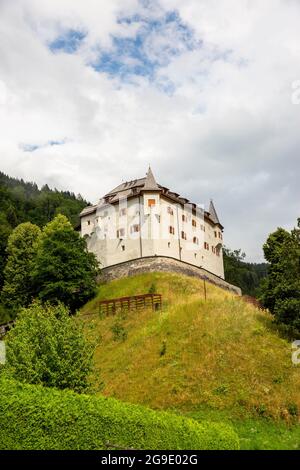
(223, 358)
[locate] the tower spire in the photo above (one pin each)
(150, 183)
(213, 213)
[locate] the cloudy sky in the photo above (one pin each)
(206, 91)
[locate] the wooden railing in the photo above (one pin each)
(125, 304)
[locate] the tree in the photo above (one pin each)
(247, 276)
(280, 292)
(5, 231)
(64, 270)
(21, 250)
(47, 346)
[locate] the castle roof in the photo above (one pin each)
(213, 213)
(138, 186)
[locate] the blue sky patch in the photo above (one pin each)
(68, 42)
(156, 41)
(34, 147)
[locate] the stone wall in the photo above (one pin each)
(162, 264)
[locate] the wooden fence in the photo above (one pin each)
(126, 304)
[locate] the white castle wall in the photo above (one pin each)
(154, 237)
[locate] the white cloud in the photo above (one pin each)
(228, 130)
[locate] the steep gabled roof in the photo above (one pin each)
(150, 183)
(213, 213)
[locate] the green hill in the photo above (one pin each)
(221, 358)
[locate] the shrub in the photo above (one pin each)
(119, 332)
(33, 417)
(48, 347)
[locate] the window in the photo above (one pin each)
(121, 233)
(220, 236)
(217, 251)
(213, 249)
(195, 254)
(170, 210)
(203, 228)
(169, 245)
(89, 222)
(216, 234)
(135, 228)
(194, 223)
(196, 240)
(172, 230)
(151, 202)
(206, 246)
(123, 247)
(183, 235)
(184, 218)
(122, 212)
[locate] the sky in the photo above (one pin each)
(205, 91)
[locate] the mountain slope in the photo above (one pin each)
(221, 353)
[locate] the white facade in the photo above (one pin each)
(142, 218)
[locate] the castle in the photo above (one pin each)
(141, 218)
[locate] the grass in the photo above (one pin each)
(220, 359)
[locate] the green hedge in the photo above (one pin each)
(33, 417)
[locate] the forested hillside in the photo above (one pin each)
(247, 276)
(21, 202)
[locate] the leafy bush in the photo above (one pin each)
(48, 347)
(33, 417)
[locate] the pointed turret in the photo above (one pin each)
(150, 183)
(213, 213)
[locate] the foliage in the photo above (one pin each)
(152, 289)
(247, 276)
(21, 249)
(25, 202)
(222, 343)
(53, 419)
(63, 269)
(280, 292)
(255, 433)
(48, 347)
(119, 332)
